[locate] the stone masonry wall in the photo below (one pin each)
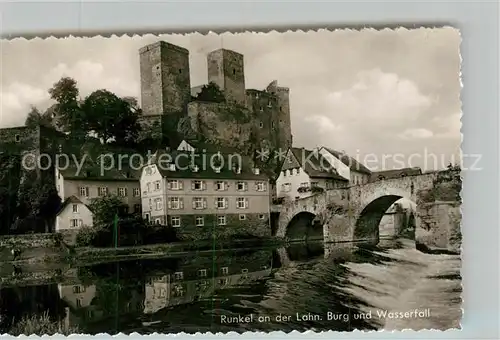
(253, 226)
(439, 214)
(165, 78)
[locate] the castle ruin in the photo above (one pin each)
(248, 119)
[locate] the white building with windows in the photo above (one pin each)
(73, 215)
(306, 172)
(89, 182)
(189, 190)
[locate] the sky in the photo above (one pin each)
(389, 98)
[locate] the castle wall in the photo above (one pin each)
(165, 78)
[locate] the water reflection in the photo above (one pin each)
(197, 292)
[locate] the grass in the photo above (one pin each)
(40, 325)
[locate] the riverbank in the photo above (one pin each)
(92, 255)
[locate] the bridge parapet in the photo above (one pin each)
(354, 213)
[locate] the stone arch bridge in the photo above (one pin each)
(354, 213)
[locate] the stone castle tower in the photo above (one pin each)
(257, 117)
(226, 69)
(165, 78)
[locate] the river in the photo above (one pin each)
(303, 287)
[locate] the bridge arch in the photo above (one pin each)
(368, 222)
(304, 224)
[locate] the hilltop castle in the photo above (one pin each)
(247, 119)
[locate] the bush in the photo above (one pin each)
(40, 325)
(86, 236)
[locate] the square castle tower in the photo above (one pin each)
(166, 90)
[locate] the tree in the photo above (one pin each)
(211, 93)
(38, 203)
(67, 111)
(10, 171)
(36, 118)
(105, 209)
(111, 118)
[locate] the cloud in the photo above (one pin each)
(17, 98)
(416, 134)
(322, 123)
(16, 101)
(91, 76)
(450, 126)
(379, 98)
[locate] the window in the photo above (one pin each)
(157, 185)
(137, 208)
(102, 191)
(78, 303)
(221, 220)
(180, 71)
(17, 138)
(243, 217)
(122, 192)
(175, 203)
(234, 71)
(261, 186)
(136, 192)
(242, 202)
(176, 221)
(286, 187)
(75, 208)
(200, 221)
(148, 218)
(314, 184)
(199, 203)
(158, 204)
(272, 125)
(304, 185)
(221, 202)
(78, 289)
(179, 275)
(75, 223)
(261, 125)
(220, 185)
(224, 270)
(84, 192)
(241, 186)
(158, 221)
(202, 273)
(174, 185)
(197, 185)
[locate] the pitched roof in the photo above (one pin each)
(201, 147)
(92, 172)
(68, 201)
(206, 164)
(315, 165)
(353, 164)
(395, 173)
